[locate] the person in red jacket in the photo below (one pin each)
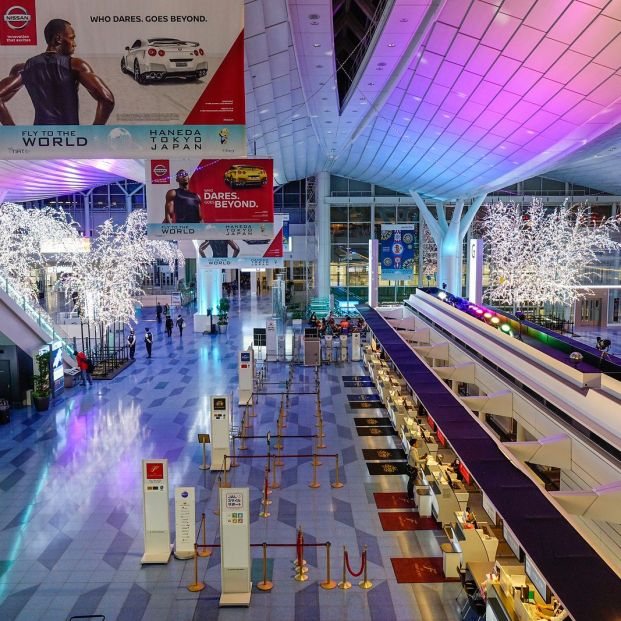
(86, 368)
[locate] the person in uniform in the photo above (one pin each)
(148, 341)
(131, 342)
(182, 206)
(52, 80)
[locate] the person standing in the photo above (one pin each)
(131, 342)
(86, 368)
(169, 325)
(180, 324)
(148, 341)
(158, 312)
(166, 310)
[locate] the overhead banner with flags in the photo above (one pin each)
(245, 253)
(210, 199)
(122, 78)
(397, 251)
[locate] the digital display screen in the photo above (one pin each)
(219, 404)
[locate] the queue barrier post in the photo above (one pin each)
(225, 482)
(265, 584)
(314, 484)
(365, 583)
(328, 584)
(234, 463)
(320, 435)
(204, 465)
(316, 461)
(216, 511)
(344, 584)
(196, 585)
(275, 482)
(299, 562)
(204, 552)
(337, 484)
(281, 445)
(243, 446)
(264, 513)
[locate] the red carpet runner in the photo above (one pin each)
(407, 520)
(422, 569)
(393, 500)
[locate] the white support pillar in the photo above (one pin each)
(448, 237)
(253, 284)
(373, 297)
(88, 196)
(208, 294)
(322, 234)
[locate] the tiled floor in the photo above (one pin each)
(71, 533)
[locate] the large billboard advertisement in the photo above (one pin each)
(397, 251)
(127, 78)
(210, 199)
(245, 253)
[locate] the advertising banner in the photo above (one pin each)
(397, 251)
(244, 253)
(124, 77)
(210, 199)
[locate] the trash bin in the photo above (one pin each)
(5, 412)
(71, 377)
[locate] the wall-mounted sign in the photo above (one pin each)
(215, 200)
(165, 79)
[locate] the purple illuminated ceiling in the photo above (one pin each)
(454, 98)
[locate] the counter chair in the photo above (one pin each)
(468, 586)
(475, 608)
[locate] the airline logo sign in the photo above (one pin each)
(18, 26)
(170, 79)
(160, 171)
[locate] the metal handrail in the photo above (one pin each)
(37, 314)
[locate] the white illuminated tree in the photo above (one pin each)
(539, 256)
(430, 254)
(22, 233)
(108, 279)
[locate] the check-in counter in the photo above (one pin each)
(444, 503)
(476, 545)
(508, 606)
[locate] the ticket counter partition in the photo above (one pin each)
(475, 545)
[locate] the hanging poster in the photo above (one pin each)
(210, 199)
(397, 252)
(122, 78)
(244, 253)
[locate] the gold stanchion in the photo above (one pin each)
(278, 444)
(344, 584)
(243, 446)
(204, 552)
(320, 435)
(314, 483)
(217, 510)
(225, 483)
(281, 444)
(275, 482)
(234, 462)
(265, 584)
(246, 424)
(365, 583)
(265, 501)
(316, 461)
(254, 414)
(299, 563)
(196, 585)
(337, 484)
(328, 584)
(204, 439)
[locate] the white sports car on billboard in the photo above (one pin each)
(160, 58)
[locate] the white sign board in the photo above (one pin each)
(372, 297)
(475, 271)
(489, 508)
(355, 346)
(329, 346)
(245, 369)
(156, 518)
(185, 522)
(235, 542)
(220, 431)
(272, 340)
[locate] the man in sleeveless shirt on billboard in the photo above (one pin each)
(52, 80)
(182, 205)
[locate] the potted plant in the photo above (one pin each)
(41, 382)
(223, 314)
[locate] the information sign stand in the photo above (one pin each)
(220, 432)
(185, 522)
(328, 338)
(355, 346)
(156, 519)
(343, 348)
(271, 330)
(245, 367)
(235, 546)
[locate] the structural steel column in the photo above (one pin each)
(322, 234)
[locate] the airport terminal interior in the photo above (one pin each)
(319, 319)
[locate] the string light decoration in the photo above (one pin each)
(108, 279)
(22, 233)
(539, 255)
(430, 253)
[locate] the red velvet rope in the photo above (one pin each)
(362, 564)
(266, 486)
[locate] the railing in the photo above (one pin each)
(37, 314)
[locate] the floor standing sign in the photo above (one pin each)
(220, 431)
(185, 522)
(271, 353)
(245, 368)
(235, 550)
(355, 346)
(156, 519)
(343, 348)
(328, 348)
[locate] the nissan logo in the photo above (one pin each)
(160, 170)
(17, 17)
